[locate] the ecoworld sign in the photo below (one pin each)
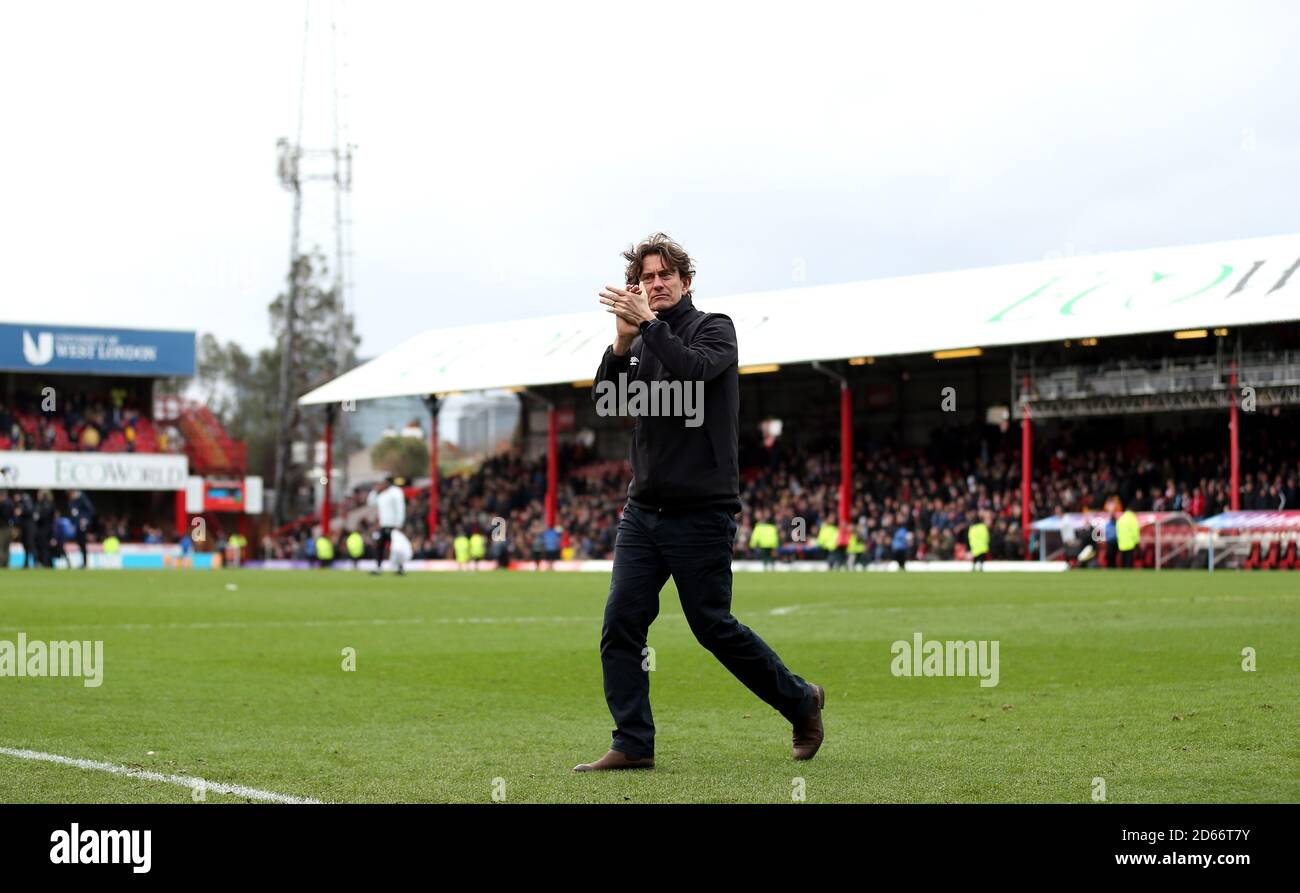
(92, 471)
(46, 348)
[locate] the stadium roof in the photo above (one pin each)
(1168, 289)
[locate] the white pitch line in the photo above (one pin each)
(255, 624)
(185, 781)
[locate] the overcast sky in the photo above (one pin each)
(508, 152)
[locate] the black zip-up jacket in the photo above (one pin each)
(82, 511)
(675, 466)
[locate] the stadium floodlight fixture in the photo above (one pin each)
(959, 353)
(1087, 342)
(862, 361)
(760, 368)
(287, 158)
(1188, 334)
(584, 384)
(1221, 332)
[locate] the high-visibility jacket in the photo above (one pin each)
(856, 546)
(827, 537)
(1128, 532)
(324, 548)
(477, 546)
(978, 537)
(764, 536)
(460, 545)
(356, 545)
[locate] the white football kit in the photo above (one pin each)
(399, 550)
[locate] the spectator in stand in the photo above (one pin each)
(1128, 534)
(843, 535)
(460, 547)
(9, 429)
(1070, 545)
(978, 538)
(6, 527)
(1112, 540)
(550, 546)
(25, 522)
(43, 541)
(898, 547)
(64, 532)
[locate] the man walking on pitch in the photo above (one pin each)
(679, 520)
(391, 507)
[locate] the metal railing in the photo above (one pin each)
(1135, 378)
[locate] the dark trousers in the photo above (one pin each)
(30, 557)
(694, 548)
(43, 554)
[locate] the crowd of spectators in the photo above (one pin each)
(111, 422)
(933, 493)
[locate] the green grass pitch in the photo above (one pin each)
(463, 679)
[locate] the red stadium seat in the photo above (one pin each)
(1252, 560)
(1273, 557)
(146, 438)
(1289, 557)
(62, 442)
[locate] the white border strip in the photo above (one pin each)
(185, 781)
(739, 565)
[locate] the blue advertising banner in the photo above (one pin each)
(42, 348)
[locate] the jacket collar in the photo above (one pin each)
(678, 311)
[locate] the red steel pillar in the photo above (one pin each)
(432, 402)
(182, 524)
(329, 469)
(846, 453)
(1234, 495)
(552, 466)
(1026, 467)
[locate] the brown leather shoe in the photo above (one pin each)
(808, 732)
(615, 759)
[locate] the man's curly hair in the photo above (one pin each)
(674, 258)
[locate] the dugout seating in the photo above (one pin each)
(1272, 557)
(1252, 557)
